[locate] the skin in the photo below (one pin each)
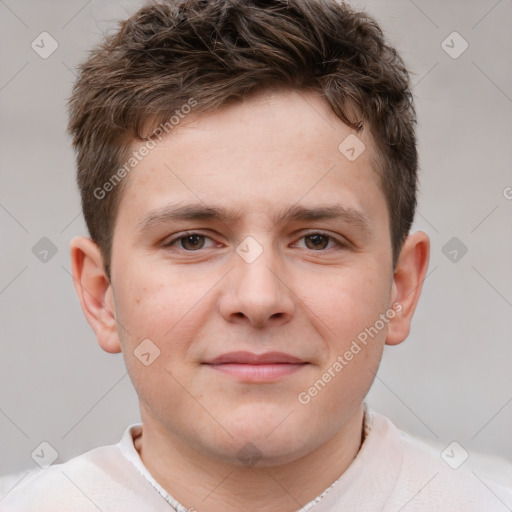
(196, 302)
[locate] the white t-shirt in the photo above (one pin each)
(392, 472)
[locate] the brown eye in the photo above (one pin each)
(316, 241)
(189, 242)
(320, 241)
(195, 241)
(192, 242)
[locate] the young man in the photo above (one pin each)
(248, 172)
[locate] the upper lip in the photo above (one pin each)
(250, 358)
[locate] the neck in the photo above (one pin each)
(206, 484)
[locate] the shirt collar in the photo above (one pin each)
(378, 445)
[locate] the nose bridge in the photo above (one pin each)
(259, 293)
(256, 266)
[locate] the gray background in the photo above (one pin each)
(451, 380)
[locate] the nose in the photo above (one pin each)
(257, 292)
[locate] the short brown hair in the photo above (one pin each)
(219, 51)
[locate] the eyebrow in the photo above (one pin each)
(200, 211)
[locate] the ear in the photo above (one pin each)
(95, 292)
(408, 280)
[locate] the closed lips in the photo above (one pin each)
(255, 359)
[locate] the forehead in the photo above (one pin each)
(270, 152)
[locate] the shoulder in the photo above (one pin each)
(99, 479)
(440, 480)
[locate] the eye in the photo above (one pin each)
(192, 241)
(318, 241)
(189, 242)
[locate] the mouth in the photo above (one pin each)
(249, 367)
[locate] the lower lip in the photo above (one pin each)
(258, 372)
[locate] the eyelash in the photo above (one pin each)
(340, 244)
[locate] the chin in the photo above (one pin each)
(264, 443)
(261, 453)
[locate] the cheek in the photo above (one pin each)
(349, 301)
(149, 300)
(166, 307)
(155, 315)
(355, 305)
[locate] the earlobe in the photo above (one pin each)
(407, 284)
(94, 291)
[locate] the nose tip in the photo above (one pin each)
(257, 294)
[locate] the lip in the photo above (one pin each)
(256, 359)
(249, 367)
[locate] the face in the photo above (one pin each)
(252, 253)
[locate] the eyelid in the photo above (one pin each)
(175, 238)
(340, 241)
